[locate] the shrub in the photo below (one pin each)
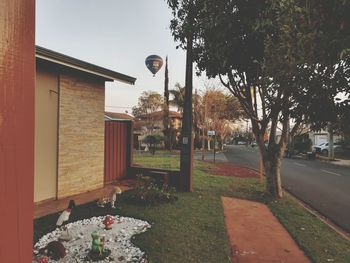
(147, 192)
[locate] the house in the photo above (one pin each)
(69, 125)
(118, 116)
(153, 122)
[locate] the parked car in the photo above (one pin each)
(324, 148)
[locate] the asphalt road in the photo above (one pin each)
(323, 186)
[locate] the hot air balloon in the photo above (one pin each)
(154, 63)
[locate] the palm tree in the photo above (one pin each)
(178, 95)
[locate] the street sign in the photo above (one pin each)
(211, 133)
(185, 140)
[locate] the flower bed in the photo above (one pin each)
(117, 239)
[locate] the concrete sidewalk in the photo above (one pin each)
(336, 161)
(256, 236)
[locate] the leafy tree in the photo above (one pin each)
(316, 69)
(148, 103)
(220, 110)
(258, 49)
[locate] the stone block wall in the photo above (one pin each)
(81, 134)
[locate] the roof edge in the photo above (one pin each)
(71, 62)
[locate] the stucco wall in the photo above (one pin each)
(46, 106)
(81, 135)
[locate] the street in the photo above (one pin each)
(323, 186)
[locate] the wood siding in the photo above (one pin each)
(81, 134)
(117, 150)
(17, 69)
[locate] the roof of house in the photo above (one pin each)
(118, 116)
(61, 59)
(159, 114)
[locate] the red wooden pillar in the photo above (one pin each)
(17, 90)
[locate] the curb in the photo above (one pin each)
(321, 217)
(337, 162)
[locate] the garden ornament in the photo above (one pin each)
(54, 250)
(98, 243)
(111, 198)
(117, 191)
(108, 222)
(42, 260)
(64, 217)
(65, 235)
(65, 214)
(98, 251)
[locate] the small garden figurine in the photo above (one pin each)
(54, 250)
(98, 251)
(117, 191)
(97, 243)
(42, 260)
(108, 222)
(62, 219)
(110, 198)
(65, 214)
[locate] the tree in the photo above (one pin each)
(188, 20)
(257, 48)
(178, 97)
(317, 69)
(166, 119)
(220, 110)
(148, 103)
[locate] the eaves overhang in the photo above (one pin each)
(64, 60)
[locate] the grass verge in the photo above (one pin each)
(193, 228)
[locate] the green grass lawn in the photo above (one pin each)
(192, 229)
(319, 242)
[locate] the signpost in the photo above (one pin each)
(139, 138)
(212, 133)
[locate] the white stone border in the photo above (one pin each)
(117, 239)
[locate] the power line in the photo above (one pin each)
(119, 107)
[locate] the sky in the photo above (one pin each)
(118, 35)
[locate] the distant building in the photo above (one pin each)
(153, 123)
(118, 116)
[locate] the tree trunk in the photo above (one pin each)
(330, 143)
(203, 145)
(272, 167)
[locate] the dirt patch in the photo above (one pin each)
(255, 235)
(230, 169)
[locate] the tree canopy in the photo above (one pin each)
(178, 97)
(281, 59)
(148, 102)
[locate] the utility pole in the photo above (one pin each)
(186, 158)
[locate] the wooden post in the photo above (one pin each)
(214, 146)
(261, 171)
(186, 157)
(17, 91)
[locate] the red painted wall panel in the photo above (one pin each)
(17, 91)
(117, 150)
